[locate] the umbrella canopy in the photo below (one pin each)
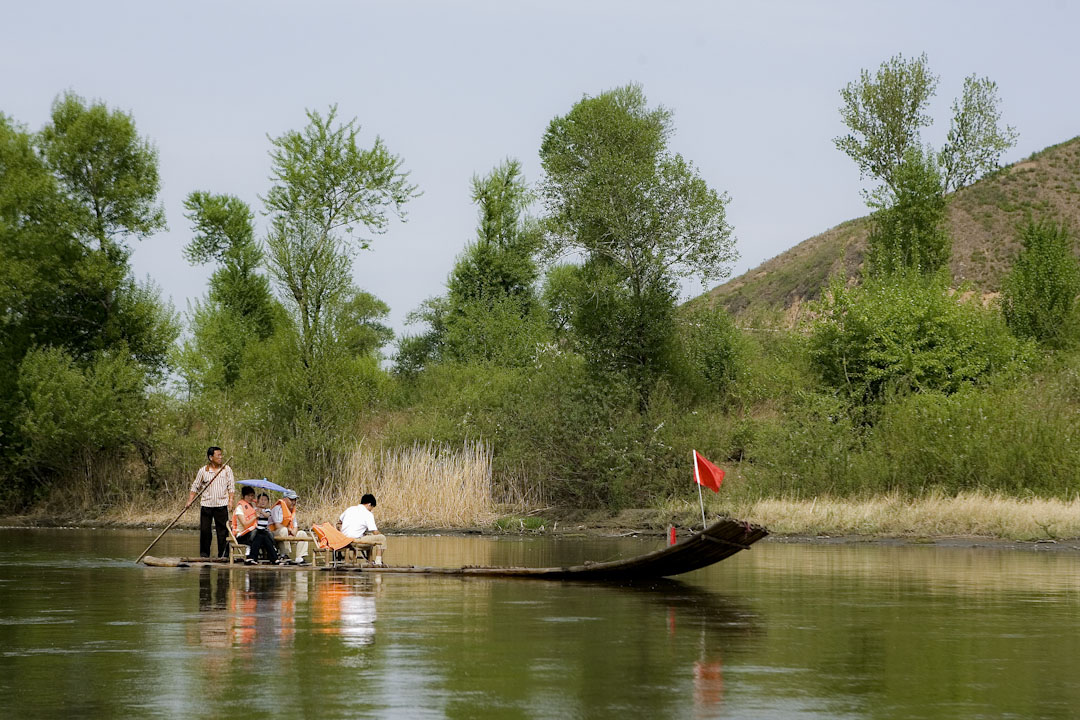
(262, 483)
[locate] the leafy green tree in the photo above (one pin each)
(70, 413)
(640, 216)
(711, 348)
(1038, 296)
(501, 261)
(106, 170)
(359, 323)
(239, 309)
(70, 198)
(885, 113)
(490, 312)
(326, 191)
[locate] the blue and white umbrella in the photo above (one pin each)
(263, 483)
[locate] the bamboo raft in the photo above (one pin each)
(717, 542)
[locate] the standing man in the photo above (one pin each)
(215, 501)
(283, 524)
(358, 522)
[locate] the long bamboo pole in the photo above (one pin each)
(177, 518)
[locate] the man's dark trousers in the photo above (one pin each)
(220, 516)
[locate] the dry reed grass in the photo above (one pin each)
(423, 486)
(933, 515)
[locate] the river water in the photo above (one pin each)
(781, 631)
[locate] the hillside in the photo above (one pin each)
(982, 220)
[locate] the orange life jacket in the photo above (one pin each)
(249, 519)
(286, 517)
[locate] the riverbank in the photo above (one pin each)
(971, 516)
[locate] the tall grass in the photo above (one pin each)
(420, 486)
(933, 515)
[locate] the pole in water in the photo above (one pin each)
(671, 535)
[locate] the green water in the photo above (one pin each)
(782, 631)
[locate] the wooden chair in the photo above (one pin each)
(327, 542)
(237, 550)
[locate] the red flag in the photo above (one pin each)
(706, 474)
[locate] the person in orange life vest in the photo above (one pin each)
(283, 524)
(215, 501)
(244, 516)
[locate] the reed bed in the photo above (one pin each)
(969, 514)
(421, 486)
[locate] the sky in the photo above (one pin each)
(454, 88)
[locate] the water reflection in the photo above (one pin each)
(345, 607)
(782, 631)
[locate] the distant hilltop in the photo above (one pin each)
(982, 222)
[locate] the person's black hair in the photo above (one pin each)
(368, 498)
(264, 495)
(210, 452)
(248, 490)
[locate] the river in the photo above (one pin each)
(781, 631)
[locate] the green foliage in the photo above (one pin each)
(887, 111)
(501, 261)
(640, 215)
(975, 141)
(326, 191)
(358, 326)
(70, 413)
(490, 313)
(908, 231)
(239, 309)
(1039, 294)
(108, 172)
(907, 333)
(711, 349)
(75, 325)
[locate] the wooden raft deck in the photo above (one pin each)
(718, 542)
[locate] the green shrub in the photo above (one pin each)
(1039, 294)
(906, 333)
(71, 414)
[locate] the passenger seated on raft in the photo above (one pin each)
(358, 522)
(262, 544)
(244, 518)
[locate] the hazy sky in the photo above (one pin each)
(455, 87)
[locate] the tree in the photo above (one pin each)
(885, 114)
(326, 191)
(108, 179)
(640, 216)
(1038, 296)
(239, 308)
(106, 169)
(501, 261)
(70, 198)
(489, 313)
(908, 230)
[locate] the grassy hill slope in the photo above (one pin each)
(982, 221)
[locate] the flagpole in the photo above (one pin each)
(697, 481)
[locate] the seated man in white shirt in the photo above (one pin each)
(358, 523)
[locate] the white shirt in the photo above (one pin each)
(218, 493)
(357, 520)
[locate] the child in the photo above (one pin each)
(262, 543)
